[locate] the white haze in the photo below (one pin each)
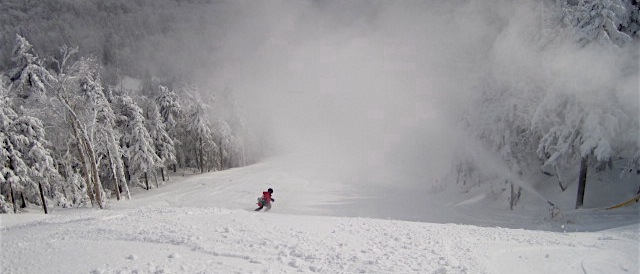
(376, 87)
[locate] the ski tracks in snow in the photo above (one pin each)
(162, 239)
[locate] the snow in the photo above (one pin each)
(205, 223)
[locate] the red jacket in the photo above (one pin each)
(266, 196)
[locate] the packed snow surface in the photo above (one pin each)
(206, 224)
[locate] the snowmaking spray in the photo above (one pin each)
(489, 161)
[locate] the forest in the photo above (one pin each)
(97, 97)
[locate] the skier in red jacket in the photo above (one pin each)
(265, 200)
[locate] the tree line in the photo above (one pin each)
(69, 139)
(571, 108)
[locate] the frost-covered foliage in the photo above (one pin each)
(162, 142)
(547, 102)
(25, 159)
(92, 141)
(201, 138)
(596, 20)
(168, 106)
(631, 25)
(501, 121)
(573, 127)
(225, 142)
(138, 145)
(239, 131)
(104, 134)
(28, 75)
(78, 187)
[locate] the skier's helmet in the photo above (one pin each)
(270, 190)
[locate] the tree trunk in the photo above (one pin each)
(115, 174)
(562, 187)
(582, 181)
(146, 180)
(44, 202)
(243, 161)
(512, 200)
(201, 149)
(127, 175)
(220, 165)
(97, 185)
(24, 203)
(13, 199)
(155, 178)
(85, 147)
(162, 172)
(83, 160)
(167, 174)
(515, 196)
(86, 151)
(125, 171)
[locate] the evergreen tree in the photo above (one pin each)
(590, 130)
(225, 142)
(163, 144)
(139, 149)
(169, 107)
(27, 164)
(28, 76)
(170, 112)
(202, 139)
(595, 20)
(239, 130)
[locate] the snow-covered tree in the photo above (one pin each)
(540, 115)
(590, 129)
(138, 144)
(15, 172)
(29, 77)
(162, 142)
(71, 86)
(225, 142)
(595, 20)
(104, 133)
(27, 165)
(168, 106)
(239, 130)
(631, 23)
(202, 139)
(171, 112)
(500, 119)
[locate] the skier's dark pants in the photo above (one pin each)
(261, 206)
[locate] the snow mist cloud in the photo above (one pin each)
(373, 87)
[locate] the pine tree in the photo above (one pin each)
(28, 76)
(170, 112)
(163, 144)
(239, 130)
(27, 164)
(139, 149)
(168, 106)
(595, 20)
(590, 130)
(224, 143)
(203, 143)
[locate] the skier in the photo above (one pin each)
(265, 200)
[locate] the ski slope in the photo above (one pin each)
(205, 223)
